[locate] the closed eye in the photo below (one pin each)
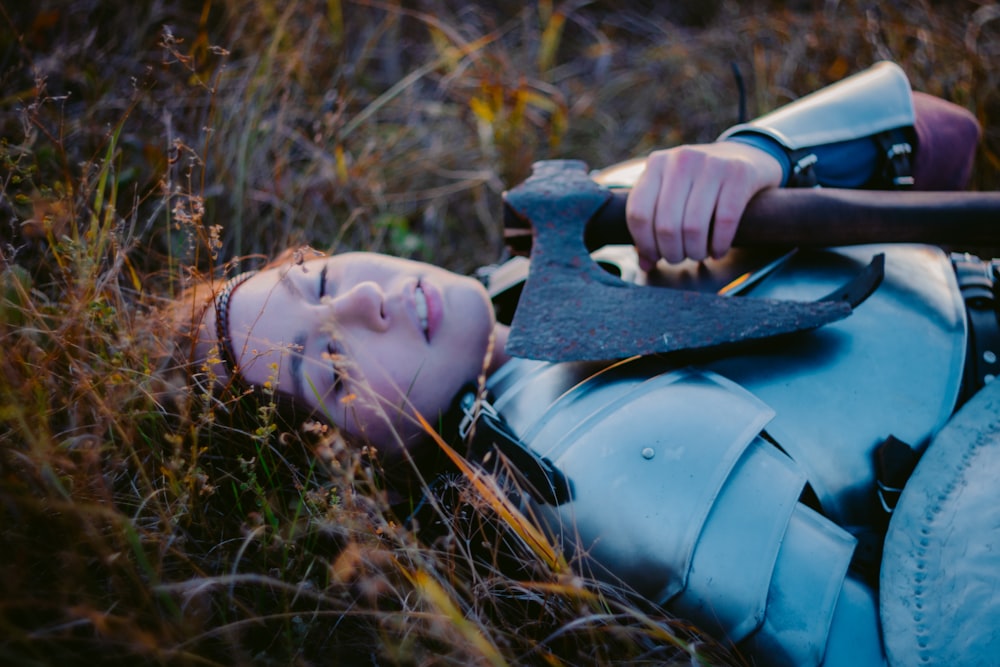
(322, 282)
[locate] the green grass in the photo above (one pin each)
(147, 143)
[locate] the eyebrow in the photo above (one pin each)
(295, 365)
(290, 285)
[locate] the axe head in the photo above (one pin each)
(571, 310)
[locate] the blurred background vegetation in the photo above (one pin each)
(396, 126)
(144, 142)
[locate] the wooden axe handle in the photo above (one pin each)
(819, 217)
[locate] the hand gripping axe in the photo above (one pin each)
(571, 309)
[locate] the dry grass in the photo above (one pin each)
(146, 142)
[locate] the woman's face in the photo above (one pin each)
(365, 339)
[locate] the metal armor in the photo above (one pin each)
(687, 480)
(875, 103)
(740, 489)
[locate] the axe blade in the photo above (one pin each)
(566, 319)
(572, 310)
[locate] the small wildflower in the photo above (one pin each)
(314, 427)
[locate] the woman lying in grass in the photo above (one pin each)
(381, 346)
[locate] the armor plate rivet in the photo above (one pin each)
(990, 357)
(648, 453)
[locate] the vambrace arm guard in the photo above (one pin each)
(857, 132)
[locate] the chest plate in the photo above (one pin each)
(894, 367)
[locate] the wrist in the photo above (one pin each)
(779, 156)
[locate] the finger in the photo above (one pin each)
(732, 202)
(696, 226)
(640, 211)
(674, 192)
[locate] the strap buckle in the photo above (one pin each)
(488, 430)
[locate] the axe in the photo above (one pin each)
(571, 309)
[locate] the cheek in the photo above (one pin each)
(377, 384)
(382, 415)
(393, 383)
(388, 374)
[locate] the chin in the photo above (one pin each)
(479, 326)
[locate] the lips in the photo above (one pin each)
(427, 302)
(420, 303)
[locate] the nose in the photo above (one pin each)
(362, 304)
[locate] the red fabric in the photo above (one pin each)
(947, 135)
